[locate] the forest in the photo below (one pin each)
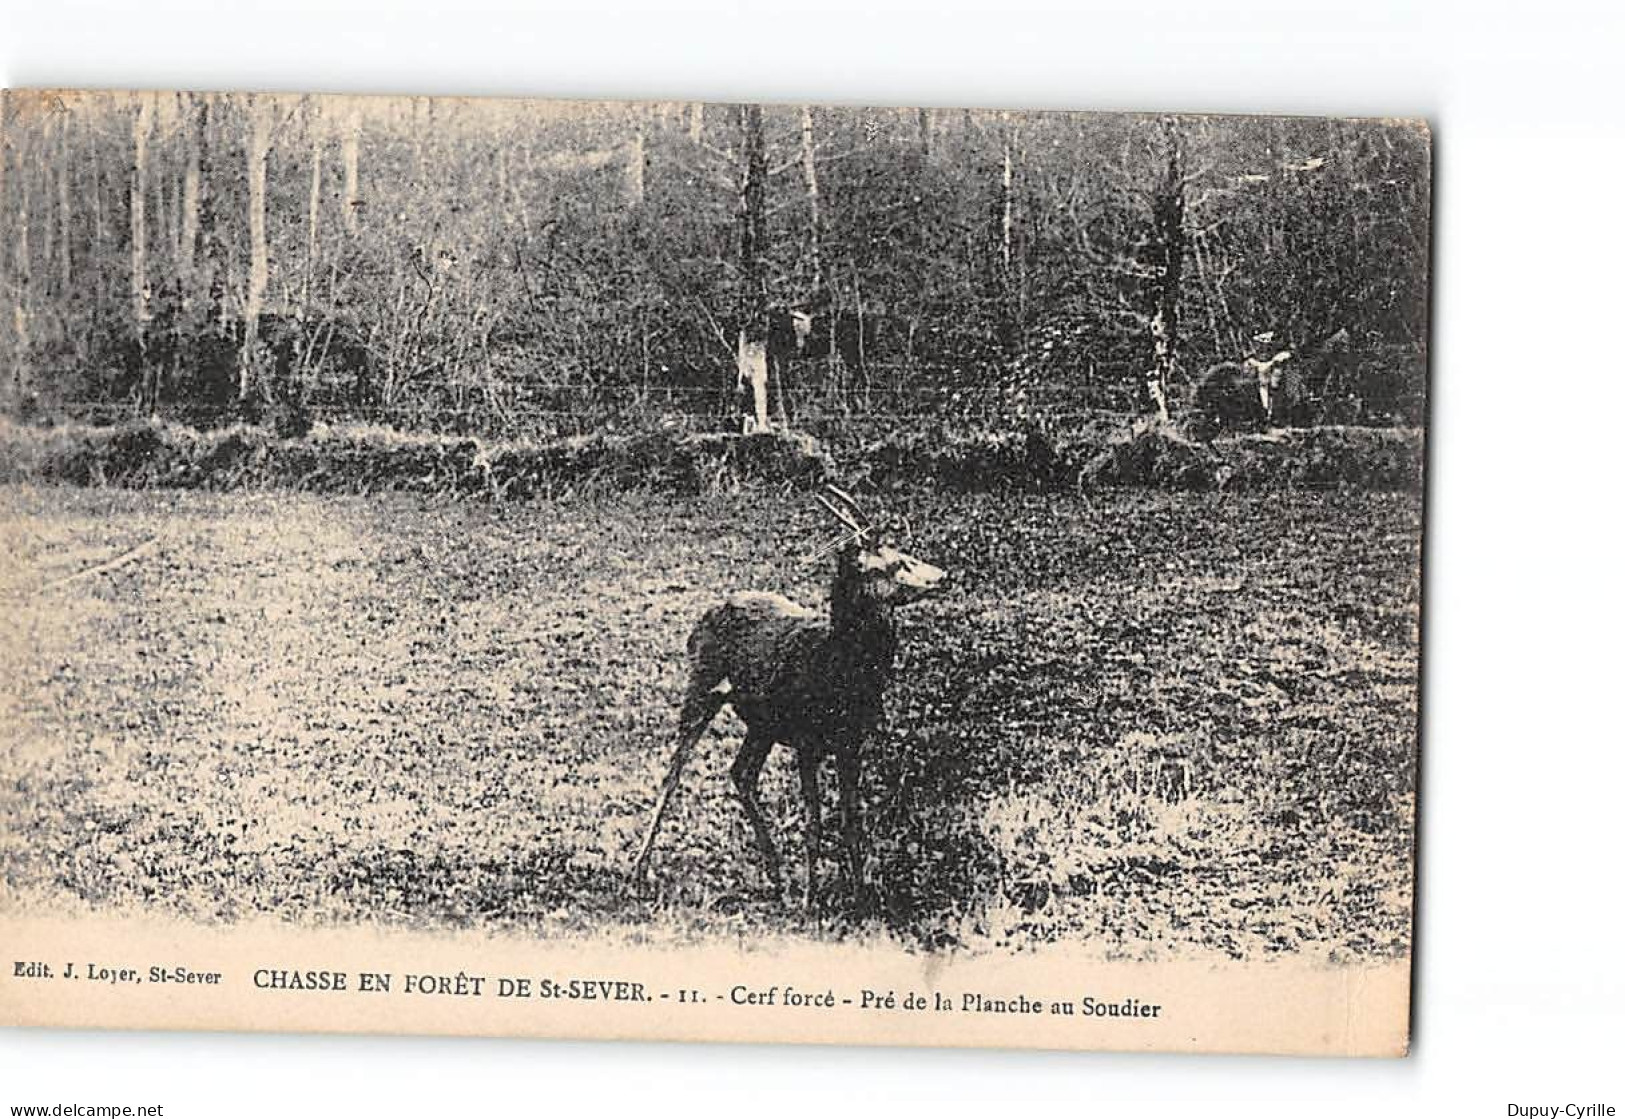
(535, 269)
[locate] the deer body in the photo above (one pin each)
(812, 682)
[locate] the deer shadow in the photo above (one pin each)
(949, 755)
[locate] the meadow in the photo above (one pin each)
(1148, 724)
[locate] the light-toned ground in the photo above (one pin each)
(1160, 725)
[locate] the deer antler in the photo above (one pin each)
(850, 502)
(832, 546)
(842, 515)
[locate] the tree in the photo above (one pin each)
(192, 118)
(1166, 257)
(259, 263)
(815, 231)
(16, 277)
(140, 293)
(350, 155)
(208, 281)
(1007, 230)
(753, 306)
(313, 121)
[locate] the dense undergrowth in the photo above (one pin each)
(360, 459)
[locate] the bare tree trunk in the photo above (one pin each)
(15, 383)
(1009, 286)
(1168, 221)
(98, 219)
(5, 114)
(174, 212)
(210, 278)
(752, 353)
(696, 121)
(186, 252)
(816, 302)
(21, 273)
(809, 174)
(155, 208)
(1007, 202)
(176, 217)
(259, 265)
(97, 256)
(313, 217)
(636, 161)
(64, 206)
(1156, 385)
(47, 230)
(139, 296)
(351, 153)
(913, 241)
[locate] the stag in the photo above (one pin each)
(803, 680)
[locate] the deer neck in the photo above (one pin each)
(861, 625)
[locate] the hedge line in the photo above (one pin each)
(154, 453)
(1153, 456)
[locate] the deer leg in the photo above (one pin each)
(747, 771)
(808, 758)
(851, 822)
(698, 711)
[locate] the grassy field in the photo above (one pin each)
(1156, 725)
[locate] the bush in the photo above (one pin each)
(1363, 458)
(1029, 460)
(1156, 456)
(363, 459)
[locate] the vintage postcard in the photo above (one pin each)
(778, 573)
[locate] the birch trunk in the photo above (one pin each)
(138, 221)
(47, 228)
(636, 160)
(351, 154)
(259, 265)
(1007, 204)
(313, 217)
(97, 256)
(809, 174)
(751, 359)
(186, 254)
(20, 274)
(64, 207)
(211, 277)
(1168, 222)
(156, 214)
(1009, 289)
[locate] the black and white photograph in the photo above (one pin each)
(951, 534)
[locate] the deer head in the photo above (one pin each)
(882, 573)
